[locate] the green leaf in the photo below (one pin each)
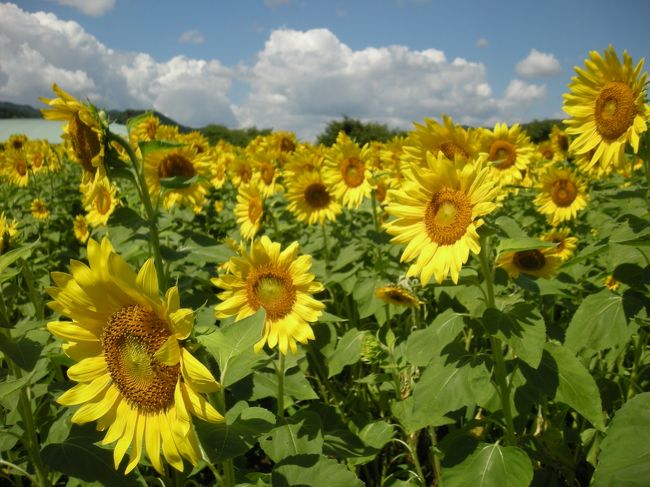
(243, 426)
(347, 352)
(156, 145)
(78, 457)
(8, 387)
(491, 466)
(598, 323)
(232, 347)
(326, 317)
(13, 255)
(521, 244)
(296, 386)
(511, 227)
(374, 435)
(521, 327)
(423, 345)
(23, 351)
(296, 435)
(312, 471)
(624, 458)
(177, 182)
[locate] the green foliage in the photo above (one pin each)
(361, 132)
(237, 137)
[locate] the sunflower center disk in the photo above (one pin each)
(447, 216)
(503, 151)
(21, 167)
(615, 110)
(175, 165)
(130, 339)
(267, 172)
(564, 192)
(84, 142)
(450, 149)
(317, 196)
(529, 260)
(103, 201)
(272, 289)
(353, 171)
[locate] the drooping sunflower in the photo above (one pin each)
(543, 262)
(510, 151)
(134, 376)
(607, 107)
(565, 243)
(346, 171)
(438, 209)
(249, 210)
(397, 295)
(278, 281)
(183, 161)
(8, 231)
(562, 194)
(39, 209)
(310, 200)
(80, 228)
(84, 129)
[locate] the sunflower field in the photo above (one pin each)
(454, 307)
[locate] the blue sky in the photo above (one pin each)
(294, 65)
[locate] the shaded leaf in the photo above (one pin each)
(312, 471)
(296, 435)
(347, 352)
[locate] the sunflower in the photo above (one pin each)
(278, 281)
(80, 228)
(607, 106)
(265, 173)
(39, 209)
(249, 210)
(16, 168)
(562, 194)
(611, 283)
(183, 161)
(16, 142)
(134, 376)
(305, 158)
(438, 209)
(535, 262)
(310, 200)
(85, 130)
(345, 171)
(560, 143)
(397, 295)
(240, 170)
(565, 244)
(100, 199)
(510, 151)
(8, 231)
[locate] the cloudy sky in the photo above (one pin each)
(296, 64)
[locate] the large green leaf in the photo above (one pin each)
(23, 351)
(624, 459)
(296, 435)
(312, 471)
(347, 352)
(521, 244)
(13, 255)
(423, 345)
(491, 466)
(598, 323)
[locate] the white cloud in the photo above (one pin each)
(191, 37)
(538, 64)
(482, 42)
(94, 8)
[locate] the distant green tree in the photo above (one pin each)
(357, 130)
(238, 137)
(540, 130)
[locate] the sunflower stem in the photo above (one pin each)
(500, 370)
(152, 214)
(280, 373)
(326, 249)
(375, 220)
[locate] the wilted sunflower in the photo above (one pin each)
(40, 209)
(135, 378)
(397, 295)
(562, 194)
(438, 209)
(80, 228)
(510, 151)
(100, 199)
(565, 244)
(278, 281)
(249, 210)
(183, 161)
(543, 262)
(310, 200)
(85, 130)
(607, 106)
(345, 171)
(8, 231)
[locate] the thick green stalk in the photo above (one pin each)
(228, 478)
(280, 373)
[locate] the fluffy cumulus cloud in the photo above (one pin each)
(191, 37)
(94, 8)
(300, 80)
(538, 64)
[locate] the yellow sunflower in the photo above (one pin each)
(240, 170)
(310, 200)
(278, 281)
(183, 161)
(16, 168)
(305, 158)
(265, 173)
(562, 194)
(39, 209)
(397, 295)
(535, 262)
(559, 141)
(80, 228)
(134, 376)
(611, 283)
(100, 199)
(8, 231)
(438, 209)
(607, 106)
(84, 128)
(565, 243)
(510, 151)
(16, 142)
(249, 210)
(345, 171)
